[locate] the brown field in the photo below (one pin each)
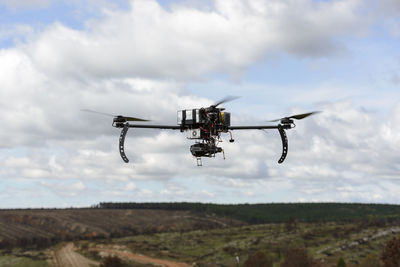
(140, 237)
(44, 227)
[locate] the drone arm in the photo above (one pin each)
(285, 145)
(150, 126)
(122, 141)
(258, 127)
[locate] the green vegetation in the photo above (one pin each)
(277, 212)
(310, 242)
(341, 263)
(315, 234)
(371, 260)
(15, 261)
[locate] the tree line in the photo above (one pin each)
(275, 212)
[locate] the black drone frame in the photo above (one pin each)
(281, 128)
(210, 122)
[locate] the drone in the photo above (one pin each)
(204, 126)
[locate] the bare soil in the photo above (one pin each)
(68, 257)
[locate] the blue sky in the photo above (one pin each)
(152, 58)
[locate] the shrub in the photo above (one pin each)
(341, 263)
(391, 253)
(111, 261)
(371, 261)
(258, 259)
(85, 246)
(297, 257)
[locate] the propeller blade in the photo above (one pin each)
(298, 116)
(134, 119)
(304, 115)
(115, 116)
(276, 120)
(225, 99)
(97, 112)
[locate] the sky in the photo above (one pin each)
(149, 59)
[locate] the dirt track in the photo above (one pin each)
(68, 257)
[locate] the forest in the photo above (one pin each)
(276, 212)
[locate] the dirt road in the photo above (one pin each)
(68, 257)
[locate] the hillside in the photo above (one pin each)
(44, 227)
(324, 242)
(196, 232)
(277, 212)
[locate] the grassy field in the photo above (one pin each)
(29, 237)
(21, 262)
(325, 242)
(21, 258)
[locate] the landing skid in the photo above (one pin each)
(122, 141)
(284, 144)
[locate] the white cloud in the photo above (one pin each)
(13, 4)
(65, 189)
(344, 145)
(140, 61)
(149, 41)
(387, 12)
(17, 33)
(325, 151)
(389, 7)
(130, 186)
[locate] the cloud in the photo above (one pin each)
(65, 189)
(25, 4)
(37, 108)
(184, 43)
(389, 7)
(130, 186)
(387, 12)
(141, 61)
(17, 32)
(344, 145)
(116, 58)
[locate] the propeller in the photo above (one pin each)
(296, 117)
(224, 100)
(119, 117)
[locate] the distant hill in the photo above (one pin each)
(45, 227)
(276, 212)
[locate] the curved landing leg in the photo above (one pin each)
(284, 144)
(122, 141)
